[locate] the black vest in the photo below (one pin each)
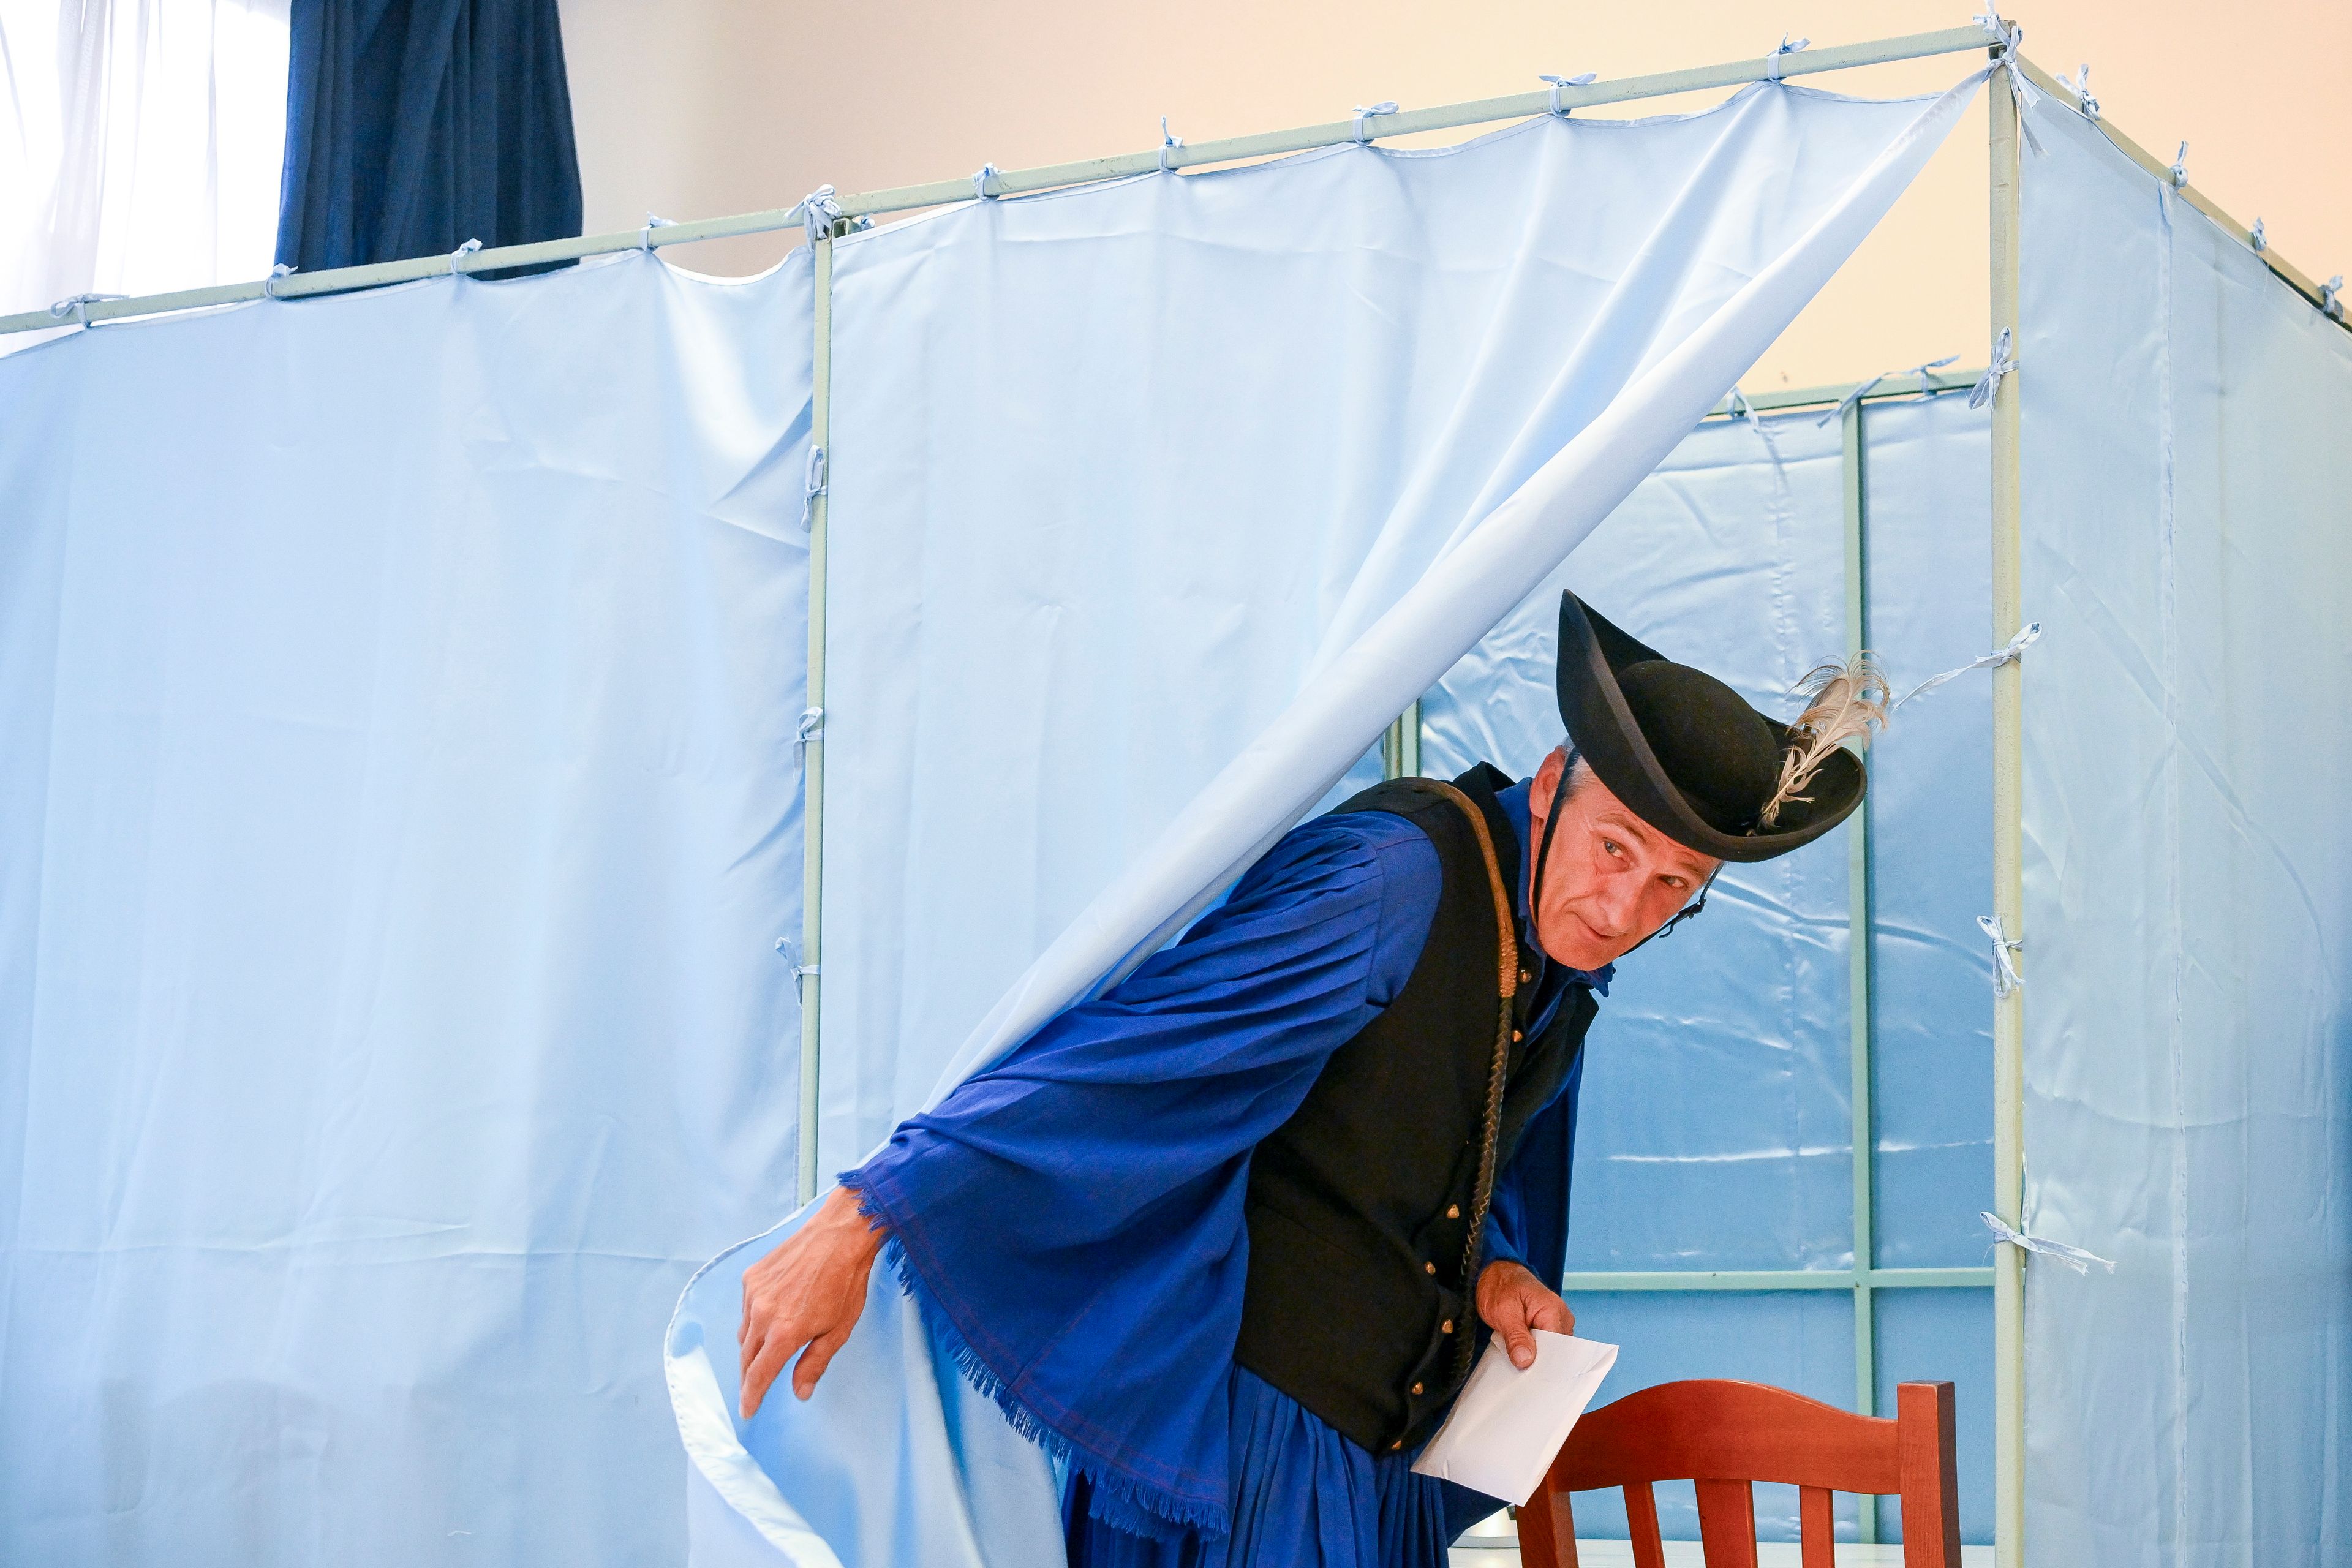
(1359, 1205)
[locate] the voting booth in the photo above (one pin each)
(512, 785)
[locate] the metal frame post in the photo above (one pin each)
(812, 977)
(2007, 847)
(1864, 1137)
(1400, 747)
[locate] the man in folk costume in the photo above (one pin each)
(1226, 1238)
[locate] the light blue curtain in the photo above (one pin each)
(2187, 850)
(398, 815)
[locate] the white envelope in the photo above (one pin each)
(1508, 1424)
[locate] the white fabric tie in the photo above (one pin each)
(813, 486)
(1371, 112)
(812, 729)
(2180, 167)
(2074, 1258)
(2011, 38)
(980, 181)
(1780, 54)
(269, 284)
(1867, 387)
(1168, 142)
(645, 235)
(2079, 84)
(1581, 79)
(2005, 977)
(457, 257)
(2008, 653)
(800, 971)
(2258, 239)
(2330, 297)
(78, 306)
(1737, 405)
(2003, 361)
(819, 211)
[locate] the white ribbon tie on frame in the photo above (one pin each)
(1867, 387)
(2079, 84)
(269, 284)
(1168, 142)
(820, 210)
(2180, 167)
(1366, 111)
(2074, 1258)
(78, 306)
(813, 485)
(2003, 361)
(2331, 302)
(2006, 980)
(1581, 79)
(2009, 652)
(1779, 54)
(811, 728)
(457, 257)
(2010, 39)
(980, 181)
(800, 971)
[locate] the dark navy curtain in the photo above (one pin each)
(413, 126)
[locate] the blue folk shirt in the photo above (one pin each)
(1070, 1220)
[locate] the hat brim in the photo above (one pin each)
(1601, 725)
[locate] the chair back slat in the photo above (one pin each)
(1726, 1523)
(1816, 1527)
(1714, 1428)
(1642, 1526)
(1931, 1481)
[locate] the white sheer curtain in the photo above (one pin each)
(141, 148)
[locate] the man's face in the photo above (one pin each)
(1612, 879)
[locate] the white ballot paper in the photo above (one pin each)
(1508, 1424)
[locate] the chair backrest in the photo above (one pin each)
(1727, 1435)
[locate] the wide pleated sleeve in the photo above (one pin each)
(1070, 1219)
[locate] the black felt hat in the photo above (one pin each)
(1686, 753)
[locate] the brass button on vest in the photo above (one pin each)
(1454, 1211)
(1429, 1268)
(1416, 1388)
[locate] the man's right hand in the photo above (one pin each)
(808, 1293)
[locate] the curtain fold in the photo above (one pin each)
(413, 126)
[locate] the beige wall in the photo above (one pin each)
(697, 107)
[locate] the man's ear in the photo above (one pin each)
(1545, 787)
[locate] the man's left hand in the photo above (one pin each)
(1515, 1303)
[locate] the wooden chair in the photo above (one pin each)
(1726, 1435)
